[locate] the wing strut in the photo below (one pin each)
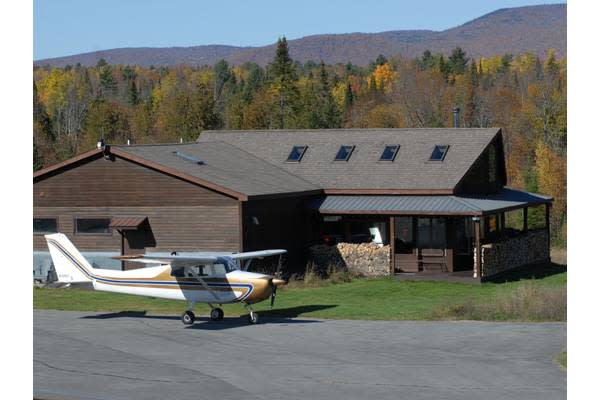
(203, 283)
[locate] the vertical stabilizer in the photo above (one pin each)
(68, 262)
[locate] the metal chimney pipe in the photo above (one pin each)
(456, 111)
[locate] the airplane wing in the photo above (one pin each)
(174, 261)
(256, 254)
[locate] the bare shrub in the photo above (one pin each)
(315, 276)
(528, 302)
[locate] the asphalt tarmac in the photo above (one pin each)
(137, 356)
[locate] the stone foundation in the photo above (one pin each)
(530, 248)
(363, 259)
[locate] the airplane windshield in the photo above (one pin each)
(228, 263)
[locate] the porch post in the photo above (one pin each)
(525, 225)
(477, 228)
(392, 237)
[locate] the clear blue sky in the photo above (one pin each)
(64, 27)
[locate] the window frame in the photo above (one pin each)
(76, 232)
(351, 146)
(46, 233)
(303, 147)
(444, 153)
(397, 146)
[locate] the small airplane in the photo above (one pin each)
(211, 278)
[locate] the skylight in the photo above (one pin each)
(389, 153)
(296, 154)
(439, 153)
(344, 153)
(188, 157)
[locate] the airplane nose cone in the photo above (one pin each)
(278, 282)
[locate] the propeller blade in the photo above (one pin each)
(273, 294)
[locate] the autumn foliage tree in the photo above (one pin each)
(522, 93)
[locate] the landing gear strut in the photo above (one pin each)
(252, 315)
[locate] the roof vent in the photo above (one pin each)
(189, 157)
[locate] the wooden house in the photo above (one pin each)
(435, 199)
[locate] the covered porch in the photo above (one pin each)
(461, 237)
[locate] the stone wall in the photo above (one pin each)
(365, 259)
(514, 252)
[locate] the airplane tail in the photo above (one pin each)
(69, 263)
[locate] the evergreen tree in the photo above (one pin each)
(284, 79)
(348, 98)
(222, 75)
(38, 162)
(458, 61)
(108, 84)
(443, 67)
(470, 101)
(132, 94)
(427, 60)
(329, 114)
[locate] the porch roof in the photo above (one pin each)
(506, 199)
(127, 222)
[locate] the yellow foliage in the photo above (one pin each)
(551, 170)
(339, 94)
(384, 77)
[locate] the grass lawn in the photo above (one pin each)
(382, 299)
(561, 359)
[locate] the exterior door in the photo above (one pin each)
(405, 254)
(133, 242)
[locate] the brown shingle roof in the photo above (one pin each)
(411, 169)
(224, 165)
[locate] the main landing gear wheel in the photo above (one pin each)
(253, 318)
(216, 314)
(188, 318)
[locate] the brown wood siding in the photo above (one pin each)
(120, 183)
(176, 228)
(283, 223)
(181, 215)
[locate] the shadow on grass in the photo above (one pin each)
(276, 316)
(534, 271)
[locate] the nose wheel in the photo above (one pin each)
(216, 314)
(253, 318)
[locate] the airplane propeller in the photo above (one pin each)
(273, 293)
(273, 285)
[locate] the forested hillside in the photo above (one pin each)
(524, 94)
(509, 30)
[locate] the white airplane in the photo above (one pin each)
(210, 278)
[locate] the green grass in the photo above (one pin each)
(561, 359)
(381, 299)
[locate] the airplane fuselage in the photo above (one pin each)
(232, 287)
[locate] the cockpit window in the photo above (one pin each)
(222, 266)
(190, 271)
(228, 263)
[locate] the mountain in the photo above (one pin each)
(508, 30)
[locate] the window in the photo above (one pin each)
(44, 225)
(190, 271)
(439, 153)
(404, 242)
(97, 226)
(431, 233)
(344, 153)
(296, 154)
(389, 153)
